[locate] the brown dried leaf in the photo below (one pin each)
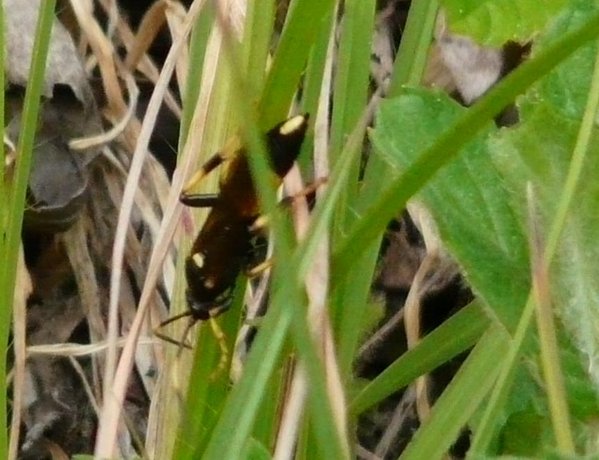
(64, 66)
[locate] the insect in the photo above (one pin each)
(225, 243)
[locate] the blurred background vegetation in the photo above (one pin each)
(437, 300)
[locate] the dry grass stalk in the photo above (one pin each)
(23, 290)
(88, 243)
(114, 396)
(104, 52)
(147, 31)
(175, 15)
(145, 65)
(66, 349)
(84, 143)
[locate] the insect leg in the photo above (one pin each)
(258, 229)
(260, 224)
(182, 344)
(213, 162)
(230, 149)
(199, 200)
(255, 271)
(166, 338)
(220, 337)
(308, 192)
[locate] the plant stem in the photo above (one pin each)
(545, 321)
(9, 246)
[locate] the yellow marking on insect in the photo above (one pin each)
(198, 259)
(229, 151)
(291, 125)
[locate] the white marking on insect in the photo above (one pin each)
(209, 283)
(198, 259)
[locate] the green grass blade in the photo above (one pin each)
(256, 451)
(486, 428)
(330, 443)
(265, 426)
(201, 417)
(315, 67)
(350, 300)
(453, 337)
(312, 86)
(197, 51)
(242, 406)
(350, 95)
(244, 399)
(352, 71)
(415, 42)
(258, 35)
(207, 390)
(562, 214)
(547, 333)
(10, 243)
(5, 286)
(477, 220)
(3, 204)
(352, 292)
(290, 57)
(460, 399)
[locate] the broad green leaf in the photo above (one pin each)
(493, 22)
(485, 190)
(523, 433)
(539, 151)
(527, 412)
(583, 399)
(565, 89)
(467, 198)
(524, 419)
(393, 196)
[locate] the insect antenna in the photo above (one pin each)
(180, 343)
(218, 333)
